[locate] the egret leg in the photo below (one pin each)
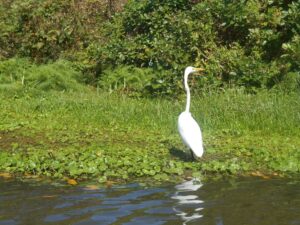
(193, 155)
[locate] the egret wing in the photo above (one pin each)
(190, 133)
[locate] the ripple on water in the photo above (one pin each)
(240, 201)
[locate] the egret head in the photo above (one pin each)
(191, 69)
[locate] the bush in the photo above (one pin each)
(253, 44)
(42, 30)
(292, 53)
(19, 75)
(126, 79)
(58, 76)
(14, 70)
(238, 43)
(289, 83)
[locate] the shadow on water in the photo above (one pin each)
(247, 201)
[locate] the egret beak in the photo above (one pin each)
(199, 70)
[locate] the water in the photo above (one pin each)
(227, 202)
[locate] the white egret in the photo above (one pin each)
(188, 128)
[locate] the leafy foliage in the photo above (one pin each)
(239, 43)
(43, 30)
(292, 52)
(126, 79)
(137, 81)
(253, 44)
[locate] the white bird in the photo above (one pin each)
(188, 128)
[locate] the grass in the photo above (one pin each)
(95, 135)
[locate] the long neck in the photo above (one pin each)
(188, 94)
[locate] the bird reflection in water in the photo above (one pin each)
(189, 205)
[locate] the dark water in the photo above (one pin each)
(227, 202)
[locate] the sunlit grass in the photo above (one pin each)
(264, 112)
(116, 136)
(229, 112)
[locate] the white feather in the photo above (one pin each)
(190, 133)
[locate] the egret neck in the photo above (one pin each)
(187, 89)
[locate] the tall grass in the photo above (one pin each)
(54, 90)
(266, 112)
(18, 76)
(230, 111)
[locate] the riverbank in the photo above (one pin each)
(92, 135)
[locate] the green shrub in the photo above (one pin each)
(140, 81)
(7, 27)
(58, 76)
(45, 29)
(14, 70)
(253, 44)
(126, 79)
(238, 43)
(231, 67)
(292, 53)
(289, 82)
(22, 75)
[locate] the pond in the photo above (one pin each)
(240, 201)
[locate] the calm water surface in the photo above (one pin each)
(227, 202)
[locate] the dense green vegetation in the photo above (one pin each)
(93, 89)
(254, 44)
(53, 124)
(108, 137)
